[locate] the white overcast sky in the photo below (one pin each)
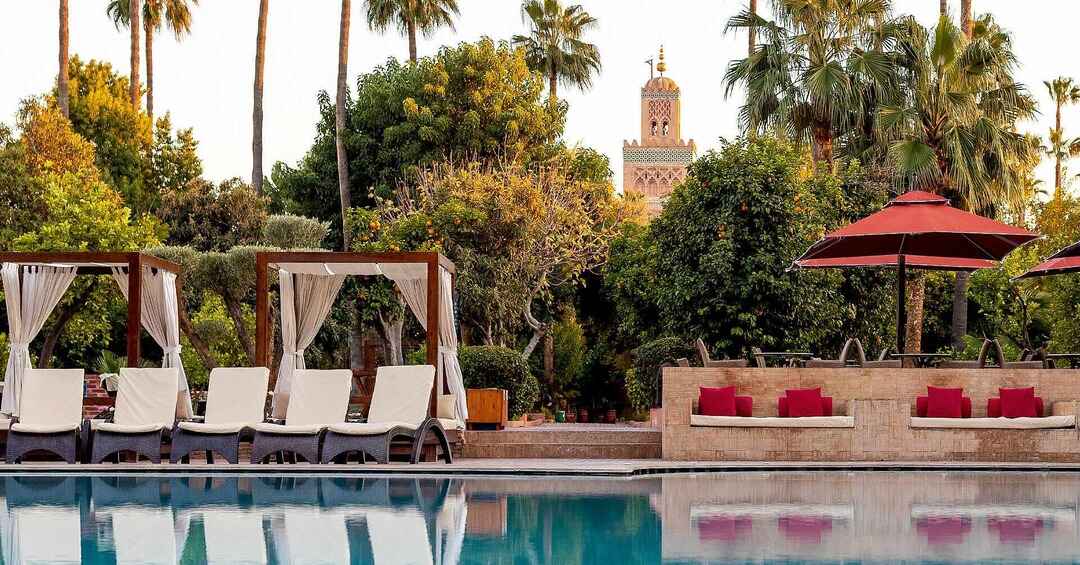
(206, 80)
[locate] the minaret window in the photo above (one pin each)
(665, 127)
(654, 127)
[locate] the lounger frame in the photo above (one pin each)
(266, 444)
(378, 446)
(148, 444)
(225, 444)
(66, 445)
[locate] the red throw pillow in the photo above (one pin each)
(782, 407)
(993, 408)
(716, 401)
(744, 406)
(804, 403)
(1017, 402)
(944, 402)
(965, 407)
(826, 406)
(920, 406)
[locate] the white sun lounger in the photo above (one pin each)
(319, 398)
(235, 403)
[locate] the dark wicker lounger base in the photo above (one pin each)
(65, 445)
(266, 444)
(148, 444)
(185, 442)
(378, 447)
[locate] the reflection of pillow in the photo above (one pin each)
(1017, 402)
(944, 402)
(804, 402)
(716, 401)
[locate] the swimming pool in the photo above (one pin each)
(792, 517)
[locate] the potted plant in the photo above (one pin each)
(583, 415)
(611, 416)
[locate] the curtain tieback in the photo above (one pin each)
(298, 353)
(170, 350)
(446, 349)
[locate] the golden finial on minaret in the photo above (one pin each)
(661, 66)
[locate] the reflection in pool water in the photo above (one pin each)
(725, 518)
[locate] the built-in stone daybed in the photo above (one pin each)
(875, 418)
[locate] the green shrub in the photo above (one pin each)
(643, 380)
(488, 366)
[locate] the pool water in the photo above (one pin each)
(787, 517)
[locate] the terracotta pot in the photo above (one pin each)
(582, 416)
(571, 417)
(611, 416)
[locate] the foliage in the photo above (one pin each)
(568, 339)
(643, 382)
(488, 366)
(173, 158)
(476, 101)
(294, 232)
(21, 207)
(555, 46)
(217, 218)
(212, 322)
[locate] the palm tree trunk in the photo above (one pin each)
(916, 294)
(133, 23)
(257, 106)
(822, 148)
(944, 9)
(553, 84)
(1057, 155)
(965, 17)
(149, 74)
(339, 120)
(62, 76)
(753, 31)
(960, 309)
(411, 28)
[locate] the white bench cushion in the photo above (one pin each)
(288, 429)
(203, 428)
(772, 422)
(373, 429)
(129, 428)
(43, 428)
(1048, 422)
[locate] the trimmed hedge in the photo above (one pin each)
(643, 379)
(489, 366)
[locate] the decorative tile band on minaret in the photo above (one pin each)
(655, 165)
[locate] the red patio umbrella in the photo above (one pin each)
(918, 229)
(1065, 261)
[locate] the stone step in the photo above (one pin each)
(647, 436)
(561, 451)
(592, 442)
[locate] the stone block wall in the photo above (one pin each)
(882, 402)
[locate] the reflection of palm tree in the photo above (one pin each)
(173, 14)
(1064, 92)
(555, 46)
(412, 16)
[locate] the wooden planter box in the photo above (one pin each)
(487, 407)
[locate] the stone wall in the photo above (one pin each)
(882, 402)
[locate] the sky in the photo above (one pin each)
(205, 81)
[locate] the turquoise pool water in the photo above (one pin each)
(787, 517)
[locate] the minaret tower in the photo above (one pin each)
(655, 165)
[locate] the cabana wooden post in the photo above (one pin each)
(433, 262)
(100, 263)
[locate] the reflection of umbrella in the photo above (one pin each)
(922, 230)
(1065, 261)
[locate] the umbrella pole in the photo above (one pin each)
(901, 303)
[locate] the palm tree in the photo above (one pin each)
(944, 8)
(555, 46)
(174, 14)
(410, 16)
(133, 86)
(954, 132)
(1064, 92)
(820, 70)
(752, 35)
(257, 110)
(62, 96)
(965, 18)
(339, 118)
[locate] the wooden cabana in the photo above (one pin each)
(309, 282)
(34, 283)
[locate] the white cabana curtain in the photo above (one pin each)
(161, 317)
(29, 304)
(306, 300)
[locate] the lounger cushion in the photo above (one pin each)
(203, 428)
(43, 428)
(402, 394)
(714, 401)
(772, 422)
(289, 428)
(319, 397)
(52, 397)
(5, 423)
(1017, 402)
(944, 402)
(1048, 422)
(236, 394)
(129, 428)
(147, 396)
(993, 407)
(374, 429)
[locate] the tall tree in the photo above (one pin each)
(62, 74)
(752, 35)
(555, 44)
(1064, 92)
(818, 73)
(411, 16)
(339, 117)
(174, 14)
(133, 85)
(955, 131)
(943, 9)
(965, 18)
(257, 105)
